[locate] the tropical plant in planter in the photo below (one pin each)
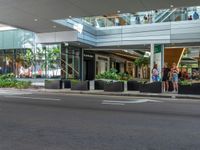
(111, 75)
(111, 80)
(53, 84)
(187, 87)
(80, 85)
(111, 86)
(154, 87)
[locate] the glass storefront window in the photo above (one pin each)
(48, 61)
(24, 63)
(44, 62)
(40, 69)
(73, 63)
(53, 61)
(9, 61)
(1, 61)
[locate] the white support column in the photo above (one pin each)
(152, 61)
(162, 59)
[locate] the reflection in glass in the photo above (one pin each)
(73, 63)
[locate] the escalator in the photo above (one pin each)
(165, 16)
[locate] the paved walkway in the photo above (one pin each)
(100, 92)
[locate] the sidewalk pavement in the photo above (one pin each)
(101, 92)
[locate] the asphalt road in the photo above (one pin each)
(79, 122)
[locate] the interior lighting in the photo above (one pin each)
(172, 6)
(6, 28)
(35, 20)
(147, 54)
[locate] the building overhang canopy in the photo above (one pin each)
(37, 15)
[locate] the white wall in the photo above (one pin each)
(55, 37)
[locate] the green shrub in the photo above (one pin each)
(113, 75)
(185, 82)
(74, 82)
(9, 76)
(9, 81)
(22, 84)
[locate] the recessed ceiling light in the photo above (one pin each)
(118, 11)
(171, 6)
(70, 16)
(35, 20)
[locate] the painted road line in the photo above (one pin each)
(129, 101)
(34, 98)
(14, 93)
(105, 103)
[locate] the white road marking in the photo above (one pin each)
(34, 98)
(105, 103)
(111, 102)
(14, 93)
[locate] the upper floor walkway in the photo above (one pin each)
(137, 34)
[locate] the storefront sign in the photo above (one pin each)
(157, 49)
(89, 55)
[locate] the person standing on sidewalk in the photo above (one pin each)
(155, 73)
(174, 75)
(165, 78)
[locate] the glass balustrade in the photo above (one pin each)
(148, 17)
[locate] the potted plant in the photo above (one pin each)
(99, 84)
(111, 81)
(102, 78)
(186, 87)
(66, 83)
(133, 85)
(114, 86)
(154, 87)
(53, 84)
(80, 85)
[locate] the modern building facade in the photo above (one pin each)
(81, 48)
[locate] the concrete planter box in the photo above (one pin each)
(189, 89)
(99, 84)
(133, 85)
(53, 84)
(80, 85)
(67, 84)
(114, 87)
(155, 87)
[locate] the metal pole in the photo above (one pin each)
(82, 64)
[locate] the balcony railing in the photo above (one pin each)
(156, 16)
